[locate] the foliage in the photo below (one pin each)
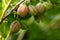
(38, 27)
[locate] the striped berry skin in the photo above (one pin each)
(33, 10)
(40, 7)
(22, 10)
(15, 26)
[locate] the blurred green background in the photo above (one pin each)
(38, 28)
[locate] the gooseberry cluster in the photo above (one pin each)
(23, 9)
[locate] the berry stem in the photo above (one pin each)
(21, 35)
(13, 9)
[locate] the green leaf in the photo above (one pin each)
(35, 32)
(53, 34)
(12, 36)
(28, 21)
(4, 8)
(55, 1)
(35, 2)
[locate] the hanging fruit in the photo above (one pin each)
(15, 26)
(33, 10)
(47, 5)
(40, 7)
(22, 10)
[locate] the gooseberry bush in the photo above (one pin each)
(29, 19)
